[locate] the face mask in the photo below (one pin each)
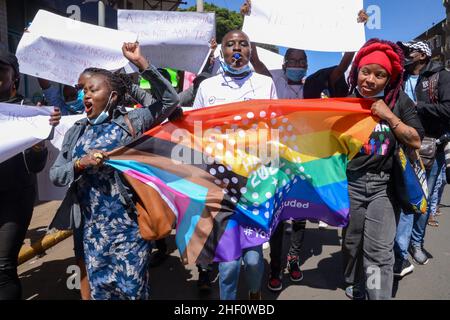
(76, 106)
(237, 72)
(295, 74)
(232, 71)
(102, 116)
(378, 95)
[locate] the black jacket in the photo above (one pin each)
(435, 117)
(20, 171)
(318, 82)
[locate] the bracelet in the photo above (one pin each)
(396, 125)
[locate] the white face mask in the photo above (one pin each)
(378, 95)
(104, 114)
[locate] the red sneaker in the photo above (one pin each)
(294, 269)
(275, 283)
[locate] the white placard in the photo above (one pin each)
(178, 40)
(21, 128)
(319, 25)
(59, 49)
(47, 190)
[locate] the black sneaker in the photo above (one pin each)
(418, 255)
(402, 267)
(355, 292)
(294, 269)
(204, 281)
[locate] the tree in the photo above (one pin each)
(227, 20)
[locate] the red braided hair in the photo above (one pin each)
(396, 57)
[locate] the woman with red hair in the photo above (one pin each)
(368, 240)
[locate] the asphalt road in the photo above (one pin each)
(46, 277)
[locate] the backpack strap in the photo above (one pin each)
(130, 126)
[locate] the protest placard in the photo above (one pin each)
(319, 25)
(178, 40)
(47, 190)
(59, 49)
(23, 127)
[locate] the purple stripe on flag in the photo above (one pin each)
(229, 248)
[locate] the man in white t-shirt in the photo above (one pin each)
(236, 83)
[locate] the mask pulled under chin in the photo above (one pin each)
(103, 115)
(237, 72)
(378, 95)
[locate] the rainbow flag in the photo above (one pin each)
(230, 173)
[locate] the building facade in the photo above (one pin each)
(438, 37)
(447, 34)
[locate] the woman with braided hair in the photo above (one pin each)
(115, 255)
(368, 239)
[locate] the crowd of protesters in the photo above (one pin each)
(412, 101)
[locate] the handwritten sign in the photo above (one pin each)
(22, 127)
(59, 49)
(320, 25)
(178, 40)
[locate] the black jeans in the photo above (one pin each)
(16, 209)
(368, 239)
(276, 243)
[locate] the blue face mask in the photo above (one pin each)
(295, 74)
(76, 106)
(378, 95)
(103, 115)
(237, 72)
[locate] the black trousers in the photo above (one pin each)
(276, 243)
(368, 239)
(16, 209)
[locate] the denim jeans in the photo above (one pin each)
(411, 227)
(438, 190)
(368, 239)
(403, 236)
(420, 224)
(229, 273)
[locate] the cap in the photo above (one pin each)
(421, 46)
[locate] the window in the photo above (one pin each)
(438, 41)
(431, 43)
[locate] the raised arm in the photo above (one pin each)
(257, 64)
(164, 99)
(347, 58)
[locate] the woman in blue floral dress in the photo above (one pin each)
(115, 254)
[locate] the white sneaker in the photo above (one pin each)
(266, 245)
(322, 225)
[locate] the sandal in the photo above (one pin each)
(438, 212)
(432, 222)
